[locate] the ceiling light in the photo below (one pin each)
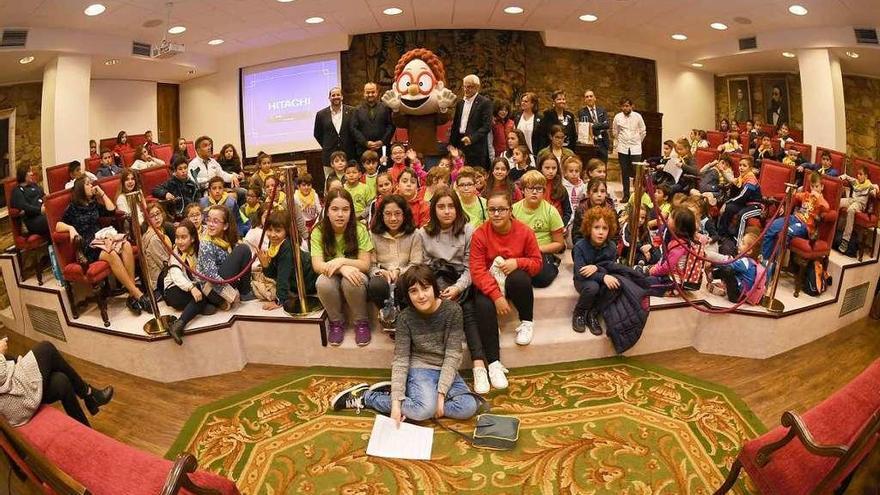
(95, 9)
(112, 61)
(285, 1)
(588, 18)
(392, 11)
(718, 25)
(314, 20)
(852, 54)
(176, 29)
(513, 10)
(679, 37)
(26, 60)
(215, 42)
(696, 64)
(798, 10)
(788, 54)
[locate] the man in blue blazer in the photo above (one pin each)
(598, 117)
(472, 124)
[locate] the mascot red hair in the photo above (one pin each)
(419, 99)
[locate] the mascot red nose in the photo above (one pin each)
(419, 99)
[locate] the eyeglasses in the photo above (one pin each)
(214, 221)
(392, 214)
(498, 211)
(536, 189)
(465, 185)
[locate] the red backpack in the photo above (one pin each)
(688, 272)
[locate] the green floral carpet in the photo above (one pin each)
(609, 426)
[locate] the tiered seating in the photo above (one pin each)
(163, 152)
(704, 156)
(128, 158)
(23, 243)
(838, 159)
(715, 138)
(152, 177)
(867, 220)
(804, 251)
(94, 275)
(805, 150)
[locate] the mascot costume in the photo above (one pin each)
(419, 99)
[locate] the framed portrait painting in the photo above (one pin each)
(776, 102)
(739, 97)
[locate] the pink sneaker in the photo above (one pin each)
(336, 333)
(362, 332)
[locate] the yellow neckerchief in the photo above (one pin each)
(221, 201)
(273, 250)
(306, 201)
(188, 258)
(263, 176)
(217, 241)
(249, 210)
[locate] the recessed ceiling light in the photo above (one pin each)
(392, 11)
(852, 54)
(742, 20)
(798, 10)
(696, 64)
(26, 60)
(513, 10)
(314, 20)
(679, 37)
(788, 54)
(718, 25)
(215, 42)
(95, 9)
(176, 29)
(588, 18)
(112, 61)
(285, 1)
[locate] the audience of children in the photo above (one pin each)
(803, 222)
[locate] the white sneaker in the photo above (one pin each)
(524, 333)
(496, 375)
(481, 381)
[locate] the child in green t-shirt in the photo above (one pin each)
(358, 190)
(472, 204)
(370, 162)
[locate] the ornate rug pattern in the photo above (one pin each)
(608, 426)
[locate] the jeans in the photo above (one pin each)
(420, 403)
(796, 228)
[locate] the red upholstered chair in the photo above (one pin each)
(804, 251)
(92, 164)
(796, 134)
(190, 149)
(774, 175)
(715, 138)
(72, 271)
(769, 129)
(128, 158)
(813, 454)
(135, 140)
(107, 143)
(805, 150)
(736, 158)
(56, 177)
(24, 243)
(163, 152)
(103, 465)
(704, 156)
(866, 221)
(152, 177)
(838, 159)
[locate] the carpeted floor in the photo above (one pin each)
(610, 426)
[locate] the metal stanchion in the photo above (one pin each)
(307, 304)
(769, 301)
(160, 323)
(635, 211)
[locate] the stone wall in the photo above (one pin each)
(508, 63)
(756, 85)
(862, 100)
(27, 100)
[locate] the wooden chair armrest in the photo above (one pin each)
(796, 427)
(178, 477)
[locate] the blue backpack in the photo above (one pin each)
(816, 279)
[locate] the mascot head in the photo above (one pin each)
(418, 79)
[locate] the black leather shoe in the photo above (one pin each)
(145, 304)
(98, 398)
(593, 323)
(133, 305)
(176, 331)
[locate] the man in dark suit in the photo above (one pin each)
(333, 128)
(472, 124)
(371, 125)
(598, 118)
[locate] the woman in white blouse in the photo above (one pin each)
(529, 122)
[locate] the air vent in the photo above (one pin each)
(13, 38)
(854, 299)
(748, 43)
(867, 36)
(141, 49)
(46, 322)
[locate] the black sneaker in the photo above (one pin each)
(381, 387)
(350, 398)
(145, 304)
(176, 331)
(844, 246)
(593, 323)
(133, 305)
(579, 322)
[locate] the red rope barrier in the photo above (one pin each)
(202, 276)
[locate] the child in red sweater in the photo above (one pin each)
(407, 186)
(504, 258)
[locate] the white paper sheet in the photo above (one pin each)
(407, 442)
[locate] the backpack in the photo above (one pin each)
(689, 272)
(816, 279)
(756, 292)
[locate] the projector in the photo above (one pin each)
(166, 49)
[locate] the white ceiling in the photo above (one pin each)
(249, 24)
